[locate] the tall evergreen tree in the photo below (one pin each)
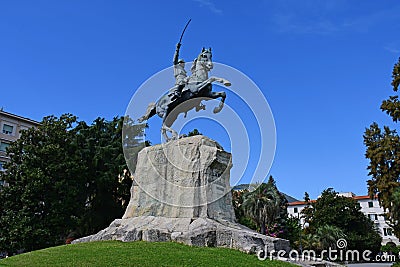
(106, 177)
(383, 152)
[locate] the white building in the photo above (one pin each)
(370, 207)
(10, 127)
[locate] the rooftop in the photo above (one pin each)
(2, 112)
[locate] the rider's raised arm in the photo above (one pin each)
(176, 55)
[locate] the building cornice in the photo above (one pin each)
(20, 118)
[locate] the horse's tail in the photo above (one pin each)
(150, 112)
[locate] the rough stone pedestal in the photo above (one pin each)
(182, 193)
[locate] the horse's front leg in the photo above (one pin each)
(220, 80)
(221, 103)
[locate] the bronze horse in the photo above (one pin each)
(198, 88)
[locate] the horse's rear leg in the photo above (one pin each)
(221, 103)
(165, 128)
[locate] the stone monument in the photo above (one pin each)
(181, 190)
(182, 193)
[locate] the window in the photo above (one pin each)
(370, 204)
(8, 129)
(296, 210)
(373, 217)
(387, 231)
(3, 146)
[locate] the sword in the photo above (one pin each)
(180, 40)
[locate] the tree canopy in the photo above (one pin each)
(332, 217)
(265, 207)
(194, 132)
(383, 152)
(66, 178)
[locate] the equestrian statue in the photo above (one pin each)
(188, 92)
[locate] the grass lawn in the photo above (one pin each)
(115, 253)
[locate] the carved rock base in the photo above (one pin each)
(182, 193)
(203, 232)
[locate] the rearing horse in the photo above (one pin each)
(198, 88)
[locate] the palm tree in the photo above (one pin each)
(324, 237)
(328, 236)
(309, 241)
(264, 205)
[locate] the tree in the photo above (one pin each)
(306, 197)
(266, 207)
(133, 141)
(194, 132)
(44, 198)
(64, 177)
(293, 228)
(383, 152)
(328, 236)
(237, 202)
(106, 175)
(323, 238)
(331, 217)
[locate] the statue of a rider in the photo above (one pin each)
(181, 78)
(197, 87)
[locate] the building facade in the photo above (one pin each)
(10, 130)
(370, 207)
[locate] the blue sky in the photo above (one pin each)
(323, 66)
